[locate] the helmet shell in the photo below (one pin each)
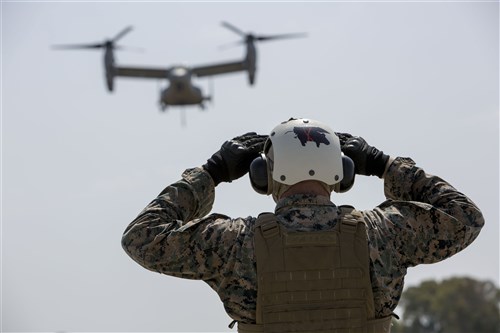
(305, 149)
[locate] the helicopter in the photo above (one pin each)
(181, 90)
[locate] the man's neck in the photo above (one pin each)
(309, 187)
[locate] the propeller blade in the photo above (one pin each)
(122, 33)
(233, 29)
(249, 37)
(129, 48)
(107, 44)
(282, 36)
(228, 45)
(77, 46)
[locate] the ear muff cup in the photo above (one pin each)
(258, 174)
(349, 175)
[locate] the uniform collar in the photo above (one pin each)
(298, 200)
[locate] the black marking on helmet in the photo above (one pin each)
(311, 134)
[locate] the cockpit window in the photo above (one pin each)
(179, 71)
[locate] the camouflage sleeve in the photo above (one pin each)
(169, 235)
(425, 217)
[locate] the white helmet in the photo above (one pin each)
(305, 149)
(299, 150)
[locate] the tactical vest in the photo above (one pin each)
(314, 281)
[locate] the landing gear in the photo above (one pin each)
(162, 106)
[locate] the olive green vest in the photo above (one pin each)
(314, 281)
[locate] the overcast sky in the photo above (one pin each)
(415, 79)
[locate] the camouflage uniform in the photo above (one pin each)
(424, 220)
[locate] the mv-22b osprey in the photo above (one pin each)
(181, 90)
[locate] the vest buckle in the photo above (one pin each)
(270, 229)
(349, 225)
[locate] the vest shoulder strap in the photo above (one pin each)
(349, 219)
(352, 226)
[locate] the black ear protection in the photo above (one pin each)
(348, 180)
(260, 180)
(258, 174)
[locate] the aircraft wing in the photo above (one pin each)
(219, 68)
(154, 73)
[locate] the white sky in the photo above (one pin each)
(415, 79)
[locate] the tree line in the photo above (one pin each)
(454, 305)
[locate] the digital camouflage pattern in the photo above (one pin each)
(424, 220)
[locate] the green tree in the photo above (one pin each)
(458, 305)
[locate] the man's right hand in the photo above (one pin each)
(368, 160)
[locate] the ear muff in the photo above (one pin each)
(349, 175)
(259, 177)
(258, 174)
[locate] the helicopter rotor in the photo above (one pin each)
(108, 43)
(250, 37)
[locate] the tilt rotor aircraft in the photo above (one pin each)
(181, 90)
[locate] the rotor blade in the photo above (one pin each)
(129, 48)
(77, 46)
(122, 33)
(283, 36)
(233, 28)
(228, 45)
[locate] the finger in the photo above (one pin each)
(256, 148)
(255, 136)
(343, 137)
(258, 139)
(244, 136)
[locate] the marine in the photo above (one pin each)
(424, 220)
